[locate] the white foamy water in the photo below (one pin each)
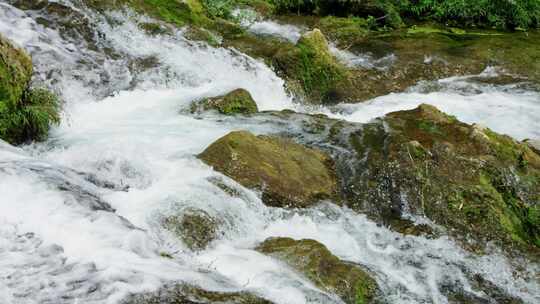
(271, 28)
(81, 214)
(508, 109)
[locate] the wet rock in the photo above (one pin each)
(478, 184)
(482, 187)
(195, 227)
(288, 174)
(309, 257)
(187, 294)
(312, 70)
(238, 101)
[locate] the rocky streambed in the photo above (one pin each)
(282, 159)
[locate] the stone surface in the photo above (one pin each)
(288, 174)
(238, 101)
(311, 258)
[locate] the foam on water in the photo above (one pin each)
(81, 214)
(508, 109)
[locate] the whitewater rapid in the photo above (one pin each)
(81, 214)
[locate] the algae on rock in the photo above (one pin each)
(311, 67)
(238, 101)
(479, 184)
(311, 258)
(195, 227)
(288, 174)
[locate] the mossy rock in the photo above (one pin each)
(195, 227)
(288, 174)
(311, 258)
(311, 67)
(15, 72)
(238, 101)
(480, 185)
(25, 113)
(188, 294)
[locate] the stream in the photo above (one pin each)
(81, 213)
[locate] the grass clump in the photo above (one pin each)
(31, 118)
(25, 114)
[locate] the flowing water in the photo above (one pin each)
(81, 214)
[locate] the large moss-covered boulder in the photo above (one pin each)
(288, 174)
(188, 294)
(238, 101)
(477, 186)
(311, 258)
(195, 227)
(312, 70)
(480, 185)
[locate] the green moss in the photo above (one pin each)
(344, 30)
(172, 11)
(328, 272)
(194, 226)
(238, 101)
(15, 72)
(289, 174)
(25, 114)
(153, 28)
(311, 64)
(429, 126)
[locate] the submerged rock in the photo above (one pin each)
(352, 284)
(195, 227)
(288, 174)
(187, 294)
(238, 101)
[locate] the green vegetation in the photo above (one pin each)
(311, 64)
(25, 114)
(484, 13)
(487, 13)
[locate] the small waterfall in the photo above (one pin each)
(81, 214)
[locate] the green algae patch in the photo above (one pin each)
(288, 174)
(344, 30)
(311, 258)
(238, 101)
